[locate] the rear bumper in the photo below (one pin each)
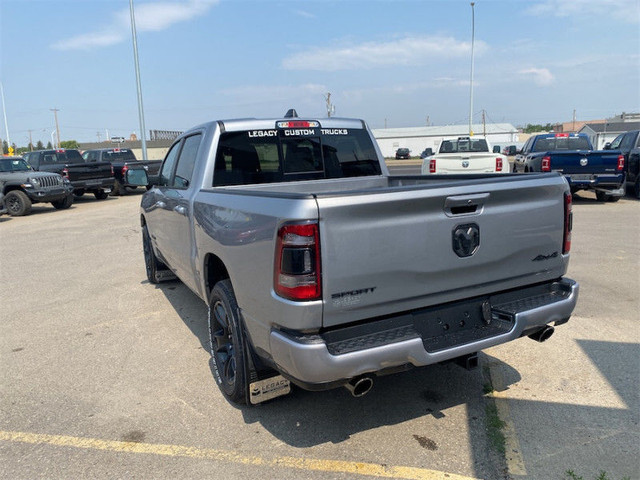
(93, 184)
(335, 357)
(613, 184)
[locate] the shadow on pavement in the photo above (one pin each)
(431, 394)
(558, 437)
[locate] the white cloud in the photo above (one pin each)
(305, 14)
(150, 17)
(404, 51)
(627, 11)
(87, 41)
(541, 76)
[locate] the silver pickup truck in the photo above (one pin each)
(322, 270)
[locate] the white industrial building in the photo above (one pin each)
(417, 139)
(603, 133)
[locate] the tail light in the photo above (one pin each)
(65, 172)
(432, 165)
(125, 169)
(498, 164)
(568, 223)
(620, 163)
(546, 164)
(297, 273)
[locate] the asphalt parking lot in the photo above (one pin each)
(104, 375)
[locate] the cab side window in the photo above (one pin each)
(616, 142)
(187, 161)
(627, 141)
(167, 167)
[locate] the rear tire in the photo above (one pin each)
(63, 204)
(17, 203)
(151, 262)
(601, 196)
(227, 343)
(100, 194)
(78, 193)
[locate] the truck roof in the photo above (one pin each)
(239, 124)
(561, 135)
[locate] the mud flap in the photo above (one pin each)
(268, 388)
(261, 388)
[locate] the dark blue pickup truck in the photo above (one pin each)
(572, 155)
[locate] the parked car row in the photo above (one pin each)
(58, 176)
(608, 173)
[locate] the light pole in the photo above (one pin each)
(473, 27)
(55, 114)
(4, 112)
(139, 87)
(52, 134)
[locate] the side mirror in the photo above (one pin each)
(136, 176)
(496, 149)
(607, 146)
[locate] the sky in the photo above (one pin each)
(393, 63)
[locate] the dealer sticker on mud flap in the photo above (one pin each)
(269, 388)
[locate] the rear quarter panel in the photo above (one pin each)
(240, 228)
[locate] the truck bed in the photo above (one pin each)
(386, 242)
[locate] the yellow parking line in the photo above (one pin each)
(513, 455)
(330, 466)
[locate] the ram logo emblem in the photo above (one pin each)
(466, 239)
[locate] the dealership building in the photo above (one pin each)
(416, 139)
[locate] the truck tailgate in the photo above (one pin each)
(88, 171)
(393, 250)
(475, 163)
(586, 162)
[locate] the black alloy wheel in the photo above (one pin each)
(17, 203)
(227, 343)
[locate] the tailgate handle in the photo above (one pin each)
(465, 204)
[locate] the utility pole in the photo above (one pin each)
(30, 141)
(330, 108)
(484, 125)
(385, 123)
(427, 120)
(55, 114)
(574, 120)
(98, 135)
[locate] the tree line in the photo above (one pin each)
(38, 146)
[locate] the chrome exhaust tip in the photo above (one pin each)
(543, 334)
(359, 386)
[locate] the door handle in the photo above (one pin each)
(180, 209)
(465, 204)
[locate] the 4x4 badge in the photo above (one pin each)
(466, 239)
